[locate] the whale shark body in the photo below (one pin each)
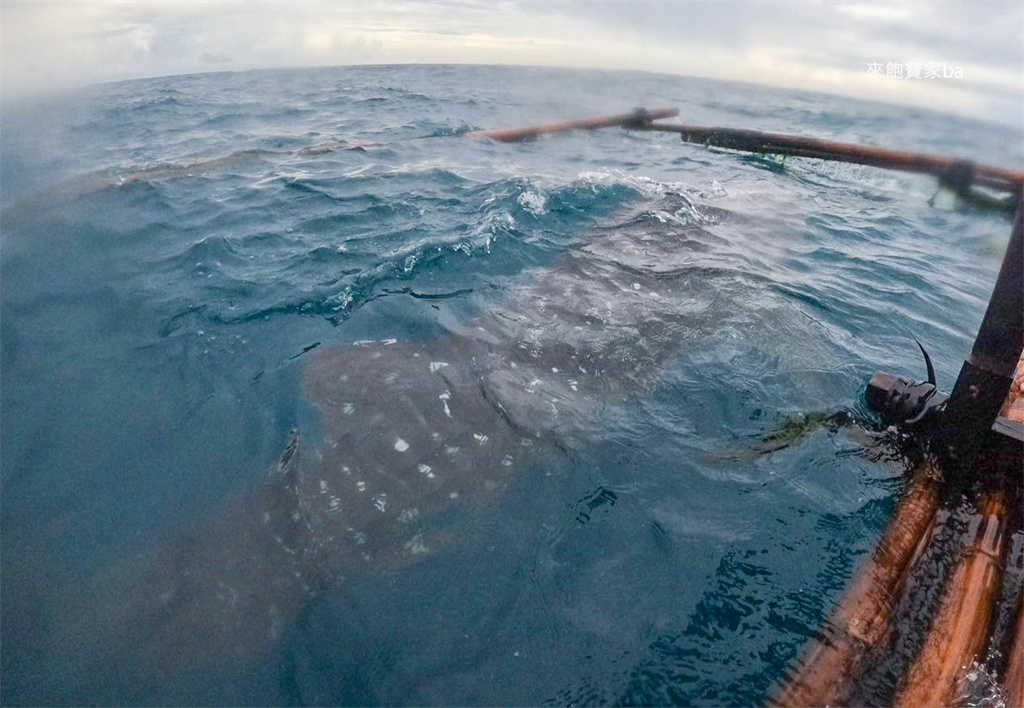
(409, 430)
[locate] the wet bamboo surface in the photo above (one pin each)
(1013, 682)
(833, 663)
(960, 629)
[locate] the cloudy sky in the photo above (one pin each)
(811, 44)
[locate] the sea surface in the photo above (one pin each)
(308, 400)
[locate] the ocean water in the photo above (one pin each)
(408, 418)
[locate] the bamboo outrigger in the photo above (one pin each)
(976, 435)
(638, 119)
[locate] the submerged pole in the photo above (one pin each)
(639, 118)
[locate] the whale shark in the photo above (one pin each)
(409, 430)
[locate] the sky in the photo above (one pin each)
(968, 54)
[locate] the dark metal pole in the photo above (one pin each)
(986, 375)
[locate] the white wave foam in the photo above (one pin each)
(533, 202)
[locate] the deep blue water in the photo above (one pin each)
(163, 319)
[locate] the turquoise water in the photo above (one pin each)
(183, 286)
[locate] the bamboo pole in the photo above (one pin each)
(948, 168)
(637, 119)
(961, 627)
(832, 664)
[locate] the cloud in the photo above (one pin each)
(827, 46)
(815, 45)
